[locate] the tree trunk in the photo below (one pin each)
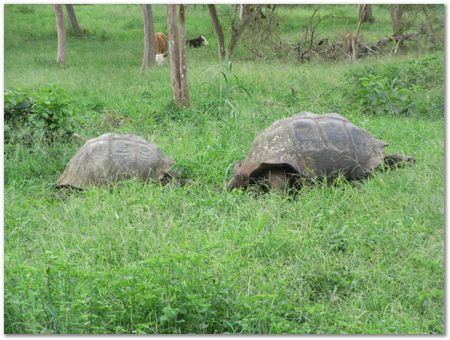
(397, 25)
(62, 36)
(176, 56)
(365, 14)
(218, 30)
(241, 11)
(237, 31)
(396, 16)
(149, 39)
(183, 67)
(173, 52)
(430, 19)
(73, 20)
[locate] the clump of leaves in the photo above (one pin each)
(395, 88)
(46, 113)
(380, 95)
(426, 72)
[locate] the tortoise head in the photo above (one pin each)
(239, 180)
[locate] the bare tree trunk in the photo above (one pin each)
(241, 11)
(237, 31)
(173, 52)
(180, 95)
(182, 47)
(430, 18)
(73, 20)
(62, 36)
(397, 25)
(218, 30)
(396, 16)
(149, 39)
(365, 14)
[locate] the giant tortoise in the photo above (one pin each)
(305, 146)
(112, 157)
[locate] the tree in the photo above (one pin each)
(397, 25)
(73, 20)
(177, 55)
(218, 30)
(183, 66)
(430, 19)
(396, 16)
(365, 14)
(149, 39)
(241, 11)
(249, 12)
(62, 36)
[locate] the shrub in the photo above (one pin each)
(380, 95)
(398, 89)
(45, 113)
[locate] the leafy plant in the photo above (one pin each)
(46, 111)
(395, 88)
(228, 87)
(362, 259)
(17, 106)
(230, 83)
(380, 95)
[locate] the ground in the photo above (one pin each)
(364, 257)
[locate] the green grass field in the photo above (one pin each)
(366, 257)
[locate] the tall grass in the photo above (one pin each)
(366, 257)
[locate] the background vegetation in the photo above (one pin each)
(366, 257)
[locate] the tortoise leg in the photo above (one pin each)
(170, 177)
(397, 160)
(277, 180)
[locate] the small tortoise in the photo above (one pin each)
(113, 157)
(307, 146)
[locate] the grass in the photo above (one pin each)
(363, 258)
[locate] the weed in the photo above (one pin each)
(141, 258)
(44, 113)
(378, 95)
(397, 89)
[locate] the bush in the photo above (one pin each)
(398, 89)
(380, 95)
(45, 113)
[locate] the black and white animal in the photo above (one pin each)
(197, 42)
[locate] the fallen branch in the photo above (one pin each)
(307, 48)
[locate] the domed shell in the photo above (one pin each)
(314, 146)
(113, 157)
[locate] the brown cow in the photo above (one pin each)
(161, 48)
(161, 44)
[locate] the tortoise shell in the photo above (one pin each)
(113, 157)
(313, 145)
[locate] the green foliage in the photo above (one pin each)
(379, 95)
(44, 113)
(359, 258)
(424, 71)
(17, 106)
(230, 84)
(398, 89)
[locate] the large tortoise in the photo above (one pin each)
(307, 146)
(112, 157)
